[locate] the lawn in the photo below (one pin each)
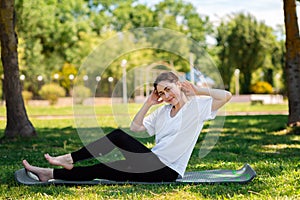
(258, 140)
(34, 111)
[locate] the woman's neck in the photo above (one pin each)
(181, 103)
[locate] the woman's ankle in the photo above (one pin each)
(65, 161)
(44, 174)
(69, 158)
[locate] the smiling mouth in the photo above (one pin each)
(170, 99)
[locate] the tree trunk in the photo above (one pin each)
(292, 65)
(245, 80)
(18, 123)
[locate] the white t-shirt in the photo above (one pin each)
(175, 137)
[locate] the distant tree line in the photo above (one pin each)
(55, 37)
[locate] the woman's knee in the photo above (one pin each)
(117, 135)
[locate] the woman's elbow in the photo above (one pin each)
(134, 128)
(228, 96)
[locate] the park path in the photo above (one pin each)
(229, 113)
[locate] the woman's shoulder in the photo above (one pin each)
(202, 98)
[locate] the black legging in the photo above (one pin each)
(140, 163)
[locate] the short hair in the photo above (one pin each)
(165, 76)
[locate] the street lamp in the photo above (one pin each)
(85, 77)
(123, 65)
(110, 80)
(71, 77)
(56, 76)
(98, 79)
(22, 78)
(40, 79)
(262, 74)
(192, 70)
(277, 84)
(237, 81)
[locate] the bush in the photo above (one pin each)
(80, 93)
(262, 87)
(26, 96)
(52, 92)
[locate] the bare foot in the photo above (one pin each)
(65, 161)
(44, 174)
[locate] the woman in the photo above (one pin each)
(176, 127)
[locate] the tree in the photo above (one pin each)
(182, 16)
(292, 65)
(127, 16)
(244, 43)
(18, 123)
(52, 33)
(223, 62)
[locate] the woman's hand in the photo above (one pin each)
(189, 88)
(154, 99)
(137, 122)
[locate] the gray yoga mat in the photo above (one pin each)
(243, 175)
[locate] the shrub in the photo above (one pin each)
(27, 96)
(52, 92)
(262, 87)
(80, 93)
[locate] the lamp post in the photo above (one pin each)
(98, 79)
(123, 65)
(2, 88)
(40, 79)
(85, 79)
(71, 78)
(262, 74)
(237, 81)
(192, 69)
(56, 77)
(22, 78)
(110, 80)
(277, 84)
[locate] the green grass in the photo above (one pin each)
(258, 140)
(248, 107)
(105, 109)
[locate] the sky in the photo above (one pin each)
(268, 11)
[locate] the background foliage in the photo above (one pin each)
(55, 35)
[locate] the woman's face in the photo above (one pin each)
(169, 92)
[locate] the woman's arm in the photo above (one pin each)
(220, 97)
(137, 122)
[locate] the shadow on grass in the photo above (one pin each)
(257, 140)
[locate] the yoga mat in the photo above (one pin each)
(243, 175)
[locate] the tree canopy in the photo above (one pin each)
(55, 33)
(244, 44)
